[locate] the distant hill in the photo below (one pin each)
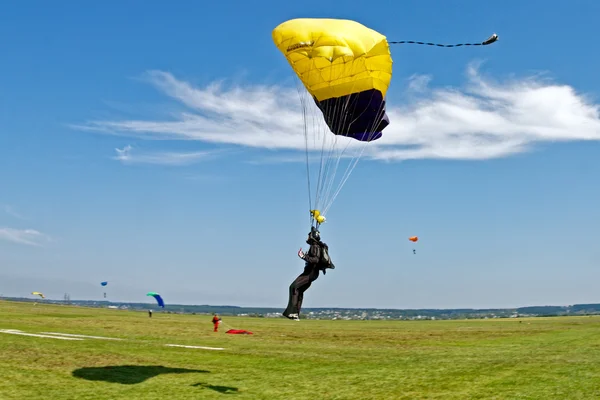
(341, 313)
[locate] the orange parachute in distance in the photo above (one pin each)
(414, 239)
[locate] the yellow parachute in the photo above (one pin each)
(346, 67)
(38, 294)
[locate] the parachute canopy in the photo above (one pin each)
(239, 332)
(345, 66)
(38, 294)
(158, 298)
(413, 238)
(104, 283)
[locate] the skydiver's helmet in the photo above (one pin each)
(314, 235)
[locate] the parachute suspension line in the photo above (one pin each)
(486, 42)
(318, 147)
(354, 162)
(344, 106)
(324, 165)
(349, 170)
(337, 163)
(331, 154)
(324, 177)
(322, 172)
(327, 177)
(311, 125)
(339, 110)
(334, 157)
(303, 104)
(316, 131)
(307, 161)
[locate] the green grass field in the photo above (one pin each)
(537, 358)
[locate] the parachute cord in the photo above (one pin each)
(323, 169)
(330, 154)
(354, 162)
(486, 42)
(307, 163)
(344, 179)
(340, 107)
(303, 103)
(327, 178)
(334, 159)
(350, 167)
(334, 156)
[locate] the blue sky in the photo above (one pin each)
(114, 167)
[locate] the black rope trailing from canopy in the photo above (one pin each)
(486, 42)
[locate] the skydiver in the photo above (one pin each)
(216, 320)
(310, 274)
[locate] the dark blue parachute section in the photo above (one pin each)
(361, 116)
(158, 298)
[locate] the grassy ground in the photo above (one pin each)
(539, 358)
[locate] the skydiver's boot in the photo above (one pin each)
(293, 317)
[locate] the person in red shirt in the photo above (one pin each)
(215, 321)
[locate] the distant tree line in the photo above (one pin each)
(324, 313)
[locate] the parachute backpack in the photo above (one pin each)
(324, 260)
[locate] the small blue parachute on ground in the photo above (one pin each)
(159, 299)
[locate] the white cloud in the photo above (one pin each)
(481, 120)
(126, 156)
(419, 83)
(23, 236)
(11, 211)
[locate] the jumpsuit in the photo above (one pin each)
(304, 280)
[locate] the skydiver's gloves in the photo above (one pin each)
(301, 253)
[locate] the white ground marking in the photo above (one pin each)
(72, 336)
(195, 347)
(82, 336)
(17, 332)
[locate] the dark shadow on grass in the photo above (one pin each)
(128, 374)
(218, 388)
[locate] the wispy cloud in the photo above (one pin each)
(29, 237)
(483, 119)
(11, 211)
(419, 83)
(127, 156)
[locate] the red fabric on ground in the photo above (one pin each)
(239, 331)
